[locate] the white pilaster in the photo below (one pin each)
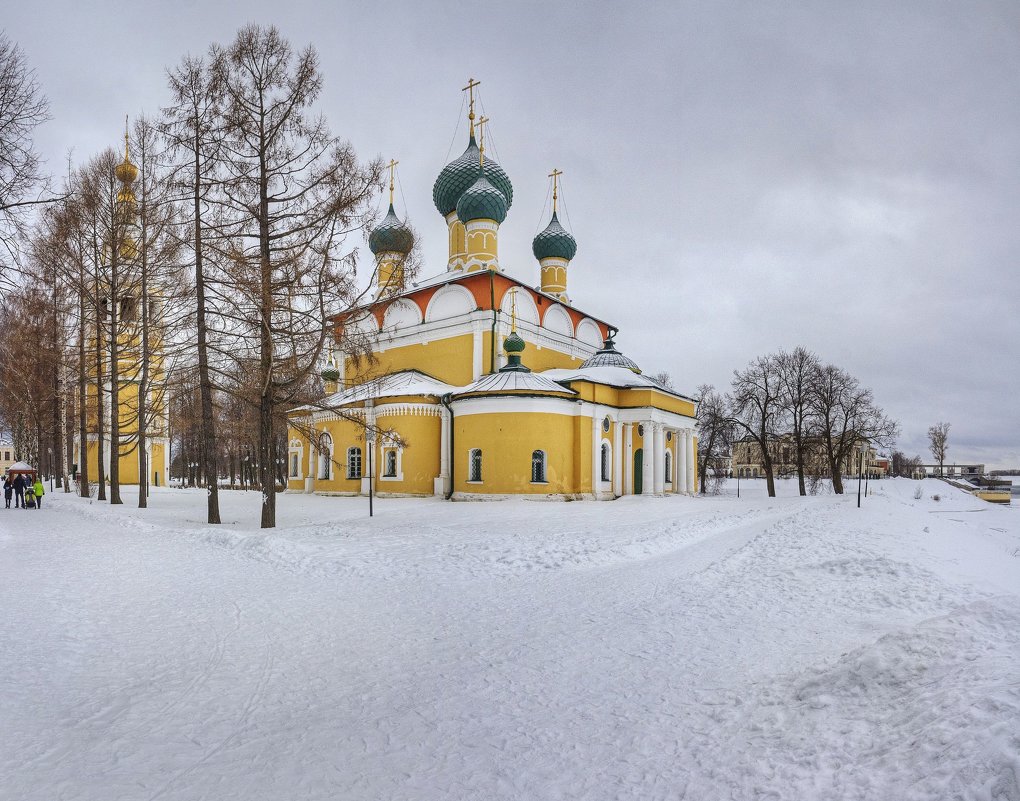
(691, 460)
(648, 460)
(596, 452)
(442, 482)
(617, 459)
(628, 458)
(681, 452)
(476, 353)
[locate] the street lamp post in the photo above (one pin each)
(860, 475)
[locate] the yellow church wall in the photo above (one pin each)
(419, 457)
(507, 445)
(448, 360)
(634, 398)
(345, 434)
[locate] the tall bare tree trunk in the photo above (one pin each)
(208, 425)
(100, 348)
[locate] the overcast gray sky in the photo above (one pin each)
(740, 176)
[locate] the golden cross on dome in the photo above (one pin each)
(555, 175)
(392, 165)
(470, 89)
(125, 137)
(513, 310)
(481, 139)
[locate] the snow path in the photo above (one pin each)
(645, 649)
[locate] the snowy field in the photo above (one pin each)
(699, 648)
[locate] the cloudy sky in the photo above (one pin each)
(740, 177)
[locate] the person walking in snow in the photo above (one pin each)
(8, 490)
(19, 491)
(39, 490)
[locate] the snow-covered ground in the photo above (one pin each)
(699, 648)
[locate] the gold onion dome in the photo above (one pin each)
(460, 174)
(126, 172)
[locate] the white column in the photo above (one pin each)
(659, 469)
(596, 452)
(628, 458)
(690, 460)
(441, 484)
(648, 460)
(681, 462)
(617, 459)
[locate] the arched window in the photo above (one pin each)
(669, 467)
(354, 463)
(475, 465)
(538, 467)
(391, 464)
(325, 456)
(607, 472)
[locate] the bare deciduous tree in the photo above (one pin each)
(715, 432)
(190, 127)
(289, 194)
(938, 444)
(22, 108)
(756, 408)
(796, 370)
(847, 417)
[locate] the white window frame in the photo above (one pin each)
(606, 462)
(667, 467)
(353, 451)
(388, 447)
(324, 468)
(296, 449)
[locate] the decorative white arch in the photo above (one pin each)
(450, 301)
(364, 325)
(557, 319)
(402, 314)
(527, 311)
(588, 332)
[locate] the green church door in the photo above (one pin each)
(638, 458)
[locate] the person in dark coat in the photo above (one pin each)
(8, 490)
(19, 491)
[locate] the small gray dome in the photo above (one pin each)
(609, 356)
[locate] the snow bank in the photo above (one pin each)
(787, 648)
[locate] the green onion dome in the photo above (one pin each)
(482, 201)
(391, 235)
(458, 176)
(513, 343)
(330, 373)
(554, 241)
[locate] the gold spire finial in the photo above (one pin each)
(481, 140)
(513, 310)
(125, 137)
(470, 89)
(392, 165)
(555, 175)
